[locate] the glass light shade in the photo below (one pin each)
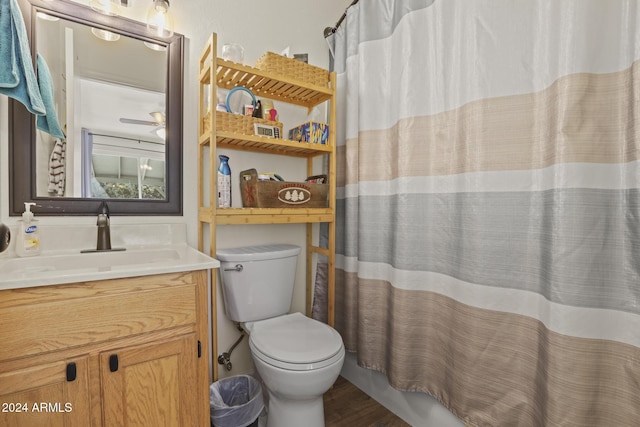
(155, 46)
(105, 35)
(106, 7)
(159, 20)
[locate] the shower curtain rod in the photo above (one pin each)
(330, 30)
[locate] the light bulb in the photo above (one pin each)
(159, 20)
(161, 132)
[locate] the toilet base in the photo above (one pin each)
(284, 413)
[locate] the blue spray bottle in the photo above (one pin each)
(224, 183)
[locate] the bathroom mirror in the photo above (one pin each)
(117, 93)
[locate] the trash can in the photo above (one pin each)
(236, 402)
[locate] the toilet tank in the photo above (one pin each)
(257, 281)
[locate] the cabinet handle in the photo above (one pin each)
(113, 362)
(199, 349)
(71, 371)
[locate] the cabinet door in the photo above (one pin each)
(51, 395)
(152, 385)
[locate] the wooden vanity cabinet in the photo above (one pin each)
(106, 353)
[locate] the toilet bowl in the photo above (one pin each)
(297, 358)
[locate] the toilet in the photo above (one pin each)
(297, 358)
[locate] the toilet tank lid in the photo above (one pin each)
(258, 253)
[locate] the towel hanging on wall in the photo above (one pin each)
(17, 75)
(49, 121)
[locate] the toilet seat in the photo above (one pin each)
(295, 342)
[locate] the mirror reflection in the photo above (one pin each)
(109, 95)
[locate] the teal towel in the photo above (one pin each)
(17, 76)
(48, 122)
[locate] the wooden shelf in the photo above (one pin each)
(217, 73)
(261, 144)
(270, 145)
(269, 85)
(265, 215)
(265, 84)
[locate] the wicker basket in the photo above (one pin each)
(280, 194)
(294, 69)
(237, 123)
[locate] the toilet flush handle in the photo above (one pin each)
(237, 268)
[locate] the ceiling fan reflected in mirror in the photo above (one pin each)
(159, 120)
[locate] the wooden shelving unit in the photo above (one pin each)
(218, 73)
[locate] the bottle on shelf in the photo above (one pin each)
(224, 182)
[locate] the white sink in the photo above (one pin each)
(87, 261)
(43, 270)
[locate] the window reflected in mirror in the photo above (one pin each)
(122, 168)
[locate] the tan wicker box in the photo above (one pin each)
(280, 194)
(294, 69)
(237, 123)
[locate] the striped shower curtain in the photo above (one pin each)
(488, 231)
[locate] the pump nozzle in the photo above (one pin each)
(27, 215)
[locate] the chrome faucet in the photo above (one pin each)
(104, 232)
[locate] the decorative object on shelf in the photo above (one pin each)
(237, 123)
(267, 107)
(317, 179)
(302, 57)
(313, 132)
(239, 89)
(159, 20)
(293, 69)
(233, 52)
(224, 182)
(258, 193)
(270, 131)
(257, 110)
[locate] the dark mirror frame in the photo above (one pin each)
(22, 182)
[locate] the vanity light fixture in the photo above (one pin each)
(105, 35)
(159, 20)
(106, 7)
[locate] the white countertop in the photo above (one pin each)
(149, 249)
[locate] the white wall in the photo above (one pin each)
(259, 26)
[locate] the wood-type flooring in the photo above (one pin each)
(345, 405)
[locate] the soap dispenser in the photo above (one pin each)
(28, 242)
